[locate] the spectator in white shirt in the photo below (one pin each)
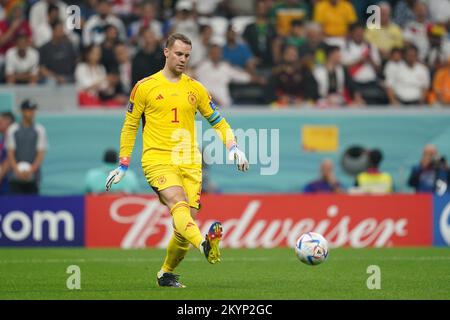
(439, 10)
(362, 59)
(217, 75)
(43, 33)
(206, 36)
(91, 79)
(185, 22)
(39, 12)
(147, 20)
(394, 61)
(95, 86)
(335, 86)
(363, 63)
(22, 62)
(407, 84)
(94, 29)
(415, 32)
(207, 7)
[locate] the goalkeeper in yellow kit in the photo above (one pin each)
(167, 103)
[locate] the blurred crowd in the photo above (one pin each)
(430, 175)
(282, 53)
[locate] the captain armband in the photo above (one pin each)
(214, 118)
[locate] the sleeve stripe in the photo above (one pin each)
(216, 121)
(133, 92)
(213, 116)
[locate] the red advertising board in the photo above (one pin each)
(267, 220)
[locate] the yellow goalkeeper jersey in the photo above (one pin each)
(168, 110)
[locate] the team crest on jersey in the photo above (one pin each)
(162, 180)
(130, 106)
(192, 98)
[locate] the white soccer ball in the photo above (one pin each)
(311, 248)
(23, 166)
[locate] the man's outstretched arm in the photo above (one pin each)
(130, 127)
(224, 131)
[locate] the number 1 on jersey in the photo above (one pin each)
(175, 115)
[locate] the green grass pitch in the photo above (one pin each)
(406, 273)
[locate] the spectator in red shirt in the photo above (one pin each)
(14, 24)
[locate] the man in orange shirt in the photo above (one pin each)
(441, 84)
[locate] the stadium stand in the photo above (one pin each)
(402, 23)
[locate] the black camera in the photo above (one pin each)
(439, 162)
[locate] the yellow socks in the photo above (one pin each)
(185, 231)
(184, 224)
(176, 251)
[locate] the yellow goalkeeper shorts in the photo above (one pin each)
(161, 177)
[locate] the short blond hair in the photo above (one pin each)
(177, 36)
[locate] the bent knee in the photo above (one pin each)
(194, 212)
(173, 199)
